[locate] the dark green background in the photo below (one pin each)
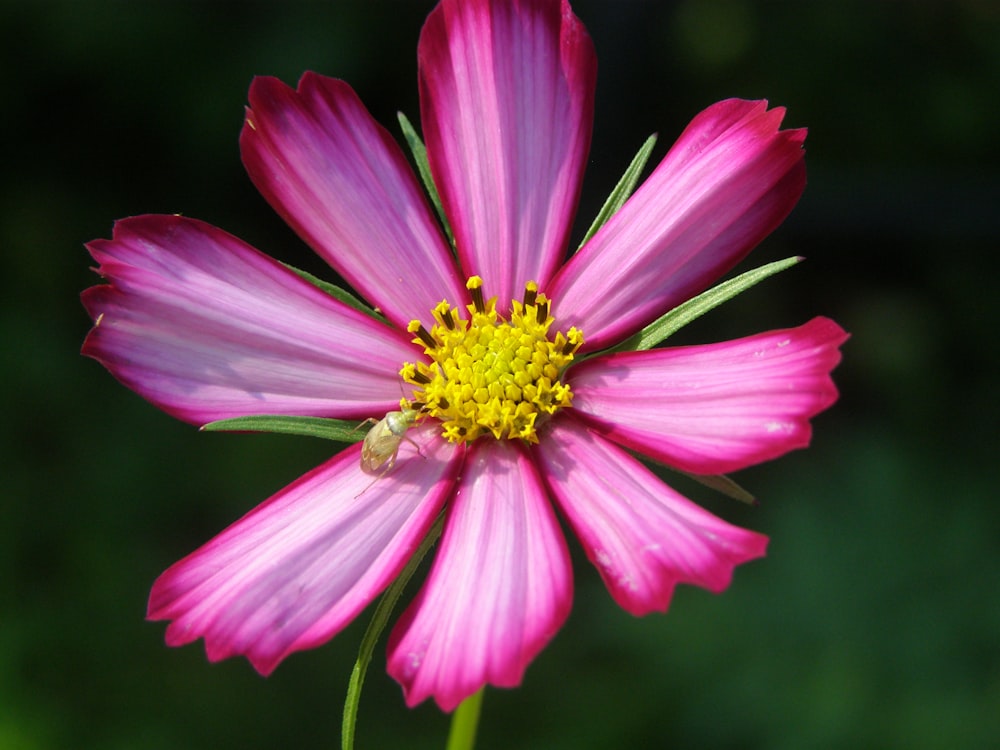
(873, 622)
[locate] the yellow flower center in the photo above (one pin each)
(490, 375)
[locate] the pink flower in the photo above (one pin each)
(508, 427)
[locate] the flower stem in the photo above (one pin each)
(375, 628)
(464, 722)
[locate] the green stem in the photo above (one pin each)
(382, 612)
(464, 722)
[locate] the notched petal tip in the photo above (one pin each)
(206, 327)
(730, 179)
(714, 408)
(642, 536)
(500, 588)
(318, 146)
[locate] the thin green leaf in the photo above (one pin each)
(623, 189)
(723, 484)
(659, 330)
(328, 429)
(419, 151)
(336, 292)
(378, 622)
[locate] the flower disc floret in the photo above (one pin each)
(490, 375)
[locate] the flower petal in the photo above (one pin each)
(643, 537)
(341, 181)
(206, 327)
(507, 98)
(294, 571)
(730, 179)
(500, 588)
(714, 408)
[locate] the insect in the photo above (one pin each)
(382, 442)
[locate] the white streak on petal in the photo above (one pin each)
(294, 571)
(730, 179)
(206, 327)
(343, 183)
(643, 537)
(507, 94)
(714, 408)
(500, 587)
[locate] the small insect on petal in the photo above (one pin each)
(383, 440)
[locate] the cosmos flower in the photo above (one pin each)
(510, 410)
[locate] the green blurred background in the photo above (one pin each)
(874, 621)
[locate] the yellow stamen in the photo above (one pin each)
(488, 375)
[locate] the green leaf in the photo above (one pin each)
(378, 622)
(336, 292)
(623, 189)
(725, 485)
(328, 429)
(419, 151)
(680, 316)
(721, 483)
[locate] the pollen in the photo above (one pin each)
(487, 375)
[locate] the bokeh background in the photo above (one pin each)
(873, 622)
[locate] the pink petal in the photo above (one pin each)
(730, 179)
(500, 588)
(643, 537)
(340, 180)
(715, 408)
(206, 327)
(294, 571)
(507, 97)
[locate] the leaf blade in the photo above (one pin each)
(338, 293)
(686, 312)
(419, 151)
(624, 188)
(328, 429)
(380, 619)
